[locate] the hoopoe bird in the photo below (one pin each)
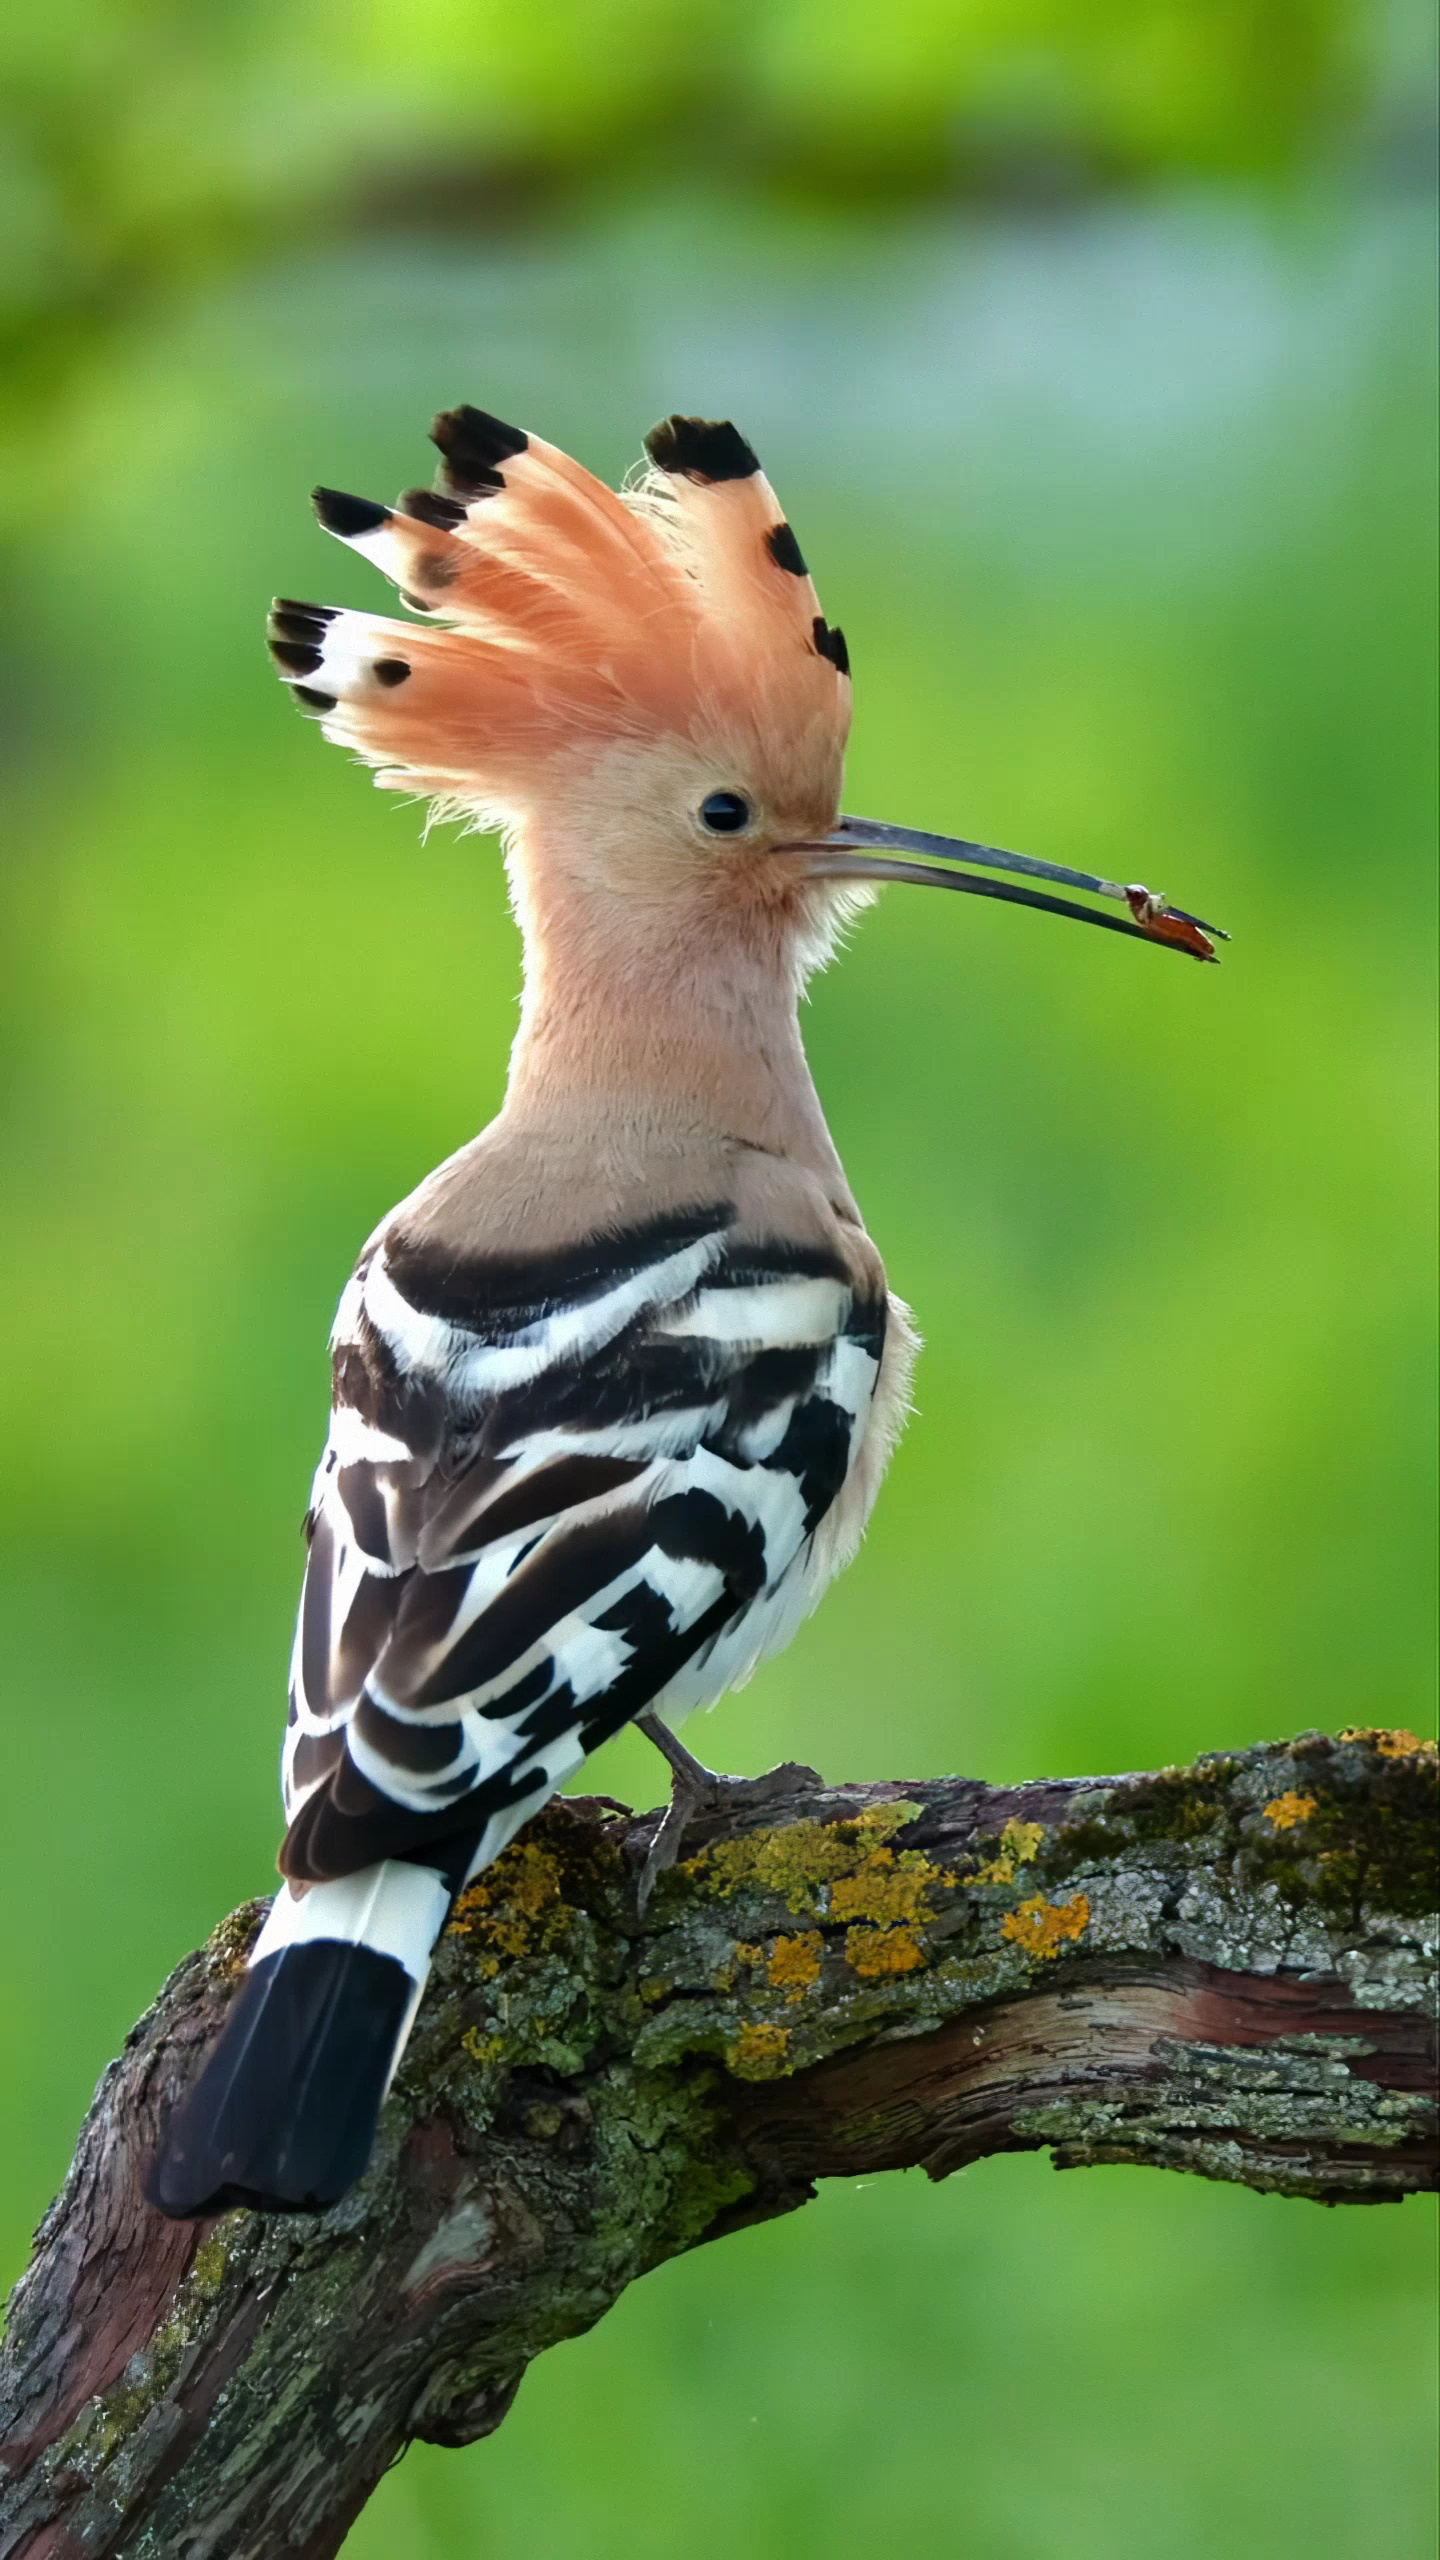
(615, 1387)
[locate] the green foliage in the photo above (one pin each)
(1120, 517)
(142, 144)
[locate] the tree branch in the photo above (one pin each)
(1227, 1968)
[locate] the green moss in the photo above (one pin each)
(1367, 1838)
(207, 2267)
(108, 2426)
(1178, 1805)
(227, 1949)
(669, 2168)
(1374, 1849)
(638, 2156)
(759, 2051)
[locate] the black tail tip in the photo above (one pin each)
(283, 2115)
(189, 2190)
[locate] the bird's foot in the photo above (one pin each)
(696, 1790)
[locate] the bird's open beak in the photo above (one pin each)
(864, 849)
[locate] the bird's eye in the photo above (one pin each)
(725, 813)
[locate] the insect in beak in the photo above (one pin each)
(865, 849)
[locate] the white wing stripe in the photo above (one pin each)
(570, 1334)
(687, 1588)
(659, 1435)
(417, 1342)
(775, 1315)
(765, 1443)
(356, 1441)
(851, 1372)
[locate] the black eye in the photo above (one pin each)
(725, 813)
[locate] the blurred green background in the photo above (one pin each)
(1090, 351)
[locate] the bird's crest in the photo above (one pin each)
(561, 614)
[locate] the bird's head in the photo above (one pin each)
(637, 688)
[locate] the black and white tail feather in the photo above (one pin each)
(555, 1494)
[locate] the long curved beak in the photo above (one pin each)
(865, 849)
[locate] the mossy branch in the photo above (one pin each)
(1227, 1968)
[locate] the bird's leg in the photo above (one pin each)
(694, 1789)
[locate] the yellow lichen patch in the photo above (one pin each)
(795, 1962)
(799, 1859)
(758, 2052)
(1393, 1742)
(1018, 1844)
(743, 1958)
(481, 2049)
(887, 1889)
(1285, 1811)
(516, 1908)
(879, 1953)
(1041, 1928)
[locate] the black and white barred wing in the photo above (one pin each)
(550, 1500)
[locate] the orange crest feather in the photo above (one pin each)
(567, 615)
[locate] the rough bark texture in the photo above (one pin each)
(1227, 1968)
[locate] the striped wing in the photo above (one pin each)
(554, 1495)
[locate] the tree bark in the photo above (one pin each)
(1227, 1968)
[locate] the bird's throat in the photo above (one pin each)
(675, 1038)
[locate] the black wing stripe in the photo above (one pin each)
(352, 1823)
(317, 1756)
(363, 1494)
(630, 1382)
(761, 1383)
(566, 1570)
(698, 1527)
(555, 1714)
(527, 1499)
(641, 1615)
(452, 1509)
(419, 1750)
(633, 1691)
(505, 1293)
(368, 1622)
(816, 1452)
(549, 1555)
(428, 1607)
(764, 1265)
(315, 1616)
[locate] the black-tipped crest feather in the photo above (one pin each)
(342, 514)
(474, 444)
(432, 507)
(704, 449)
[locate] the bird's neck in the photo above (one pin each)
(645, 1023)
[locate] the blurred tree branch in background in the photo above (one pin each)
(1228, 1968)
(144, 146)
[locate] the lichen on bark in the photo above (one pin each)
(1228, 1969)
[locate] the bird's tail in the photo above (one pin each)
(283, 2115)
